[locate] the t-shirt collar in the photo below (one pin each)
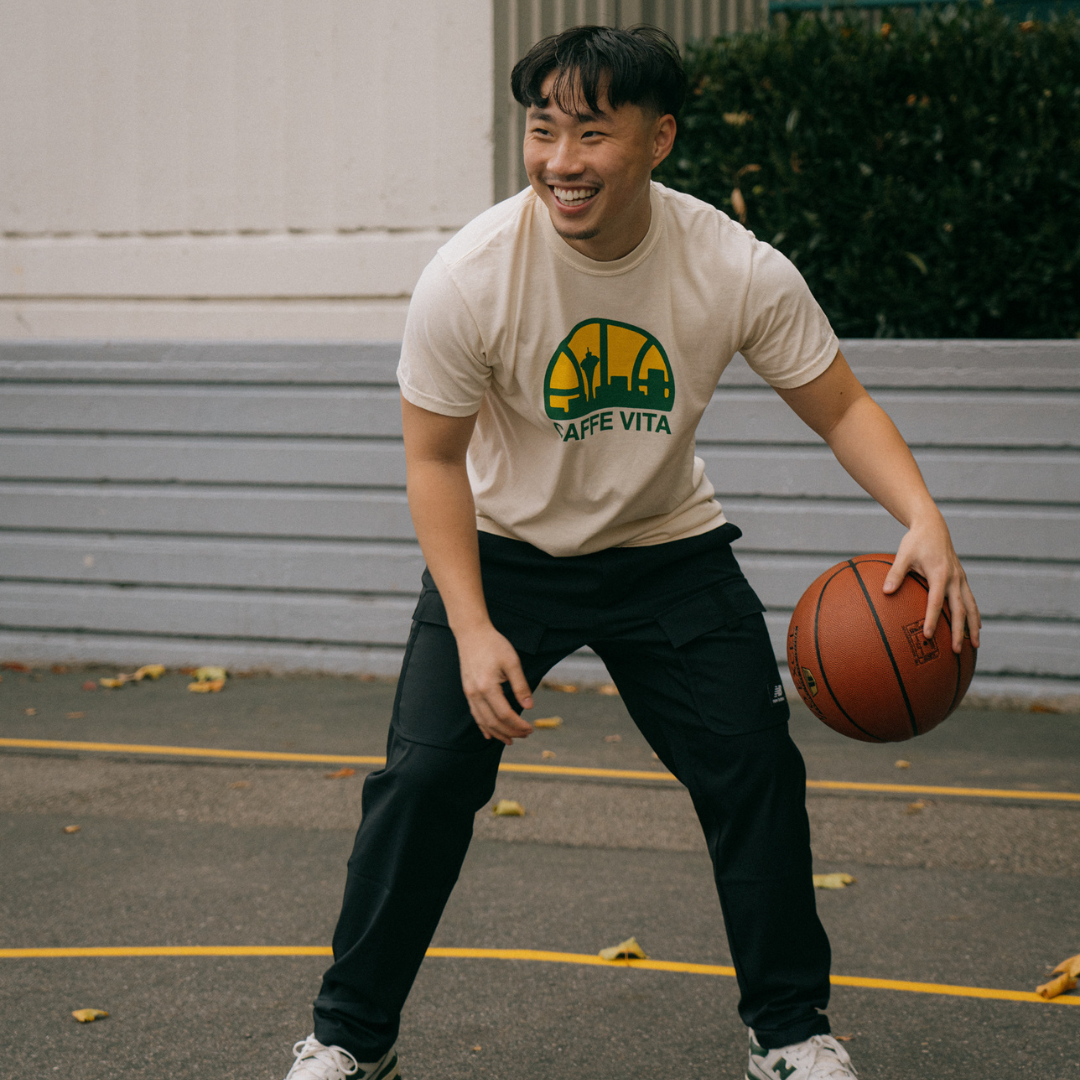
(615, 266)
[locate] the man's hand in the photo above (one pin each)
(488, 661)
(927, 549)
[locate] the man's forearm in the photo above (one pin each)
(444, 516)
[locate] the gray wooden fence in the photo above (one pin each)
(244, 503)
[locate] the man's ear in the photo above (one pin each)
(664, 129)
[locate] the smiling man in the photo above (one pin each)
(559, 353)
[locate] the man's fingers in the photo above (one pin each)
(934, 599)
(516, 677)
(897, 572)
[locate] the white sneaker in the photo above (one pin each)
(820, 1057)
(317, 1062)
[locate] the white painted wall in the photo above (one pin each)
(226, 169)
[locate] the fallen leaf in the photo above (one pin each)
(210, 674)
(547, 755)
(609, 689)
(341, 774)
(210, 687)
(76, 715)
(477, 1048)
(240, 784)
(738, 204)
(902, 764)
(113, 684)
(508, 808)
(562, 687)
(844, 1038)
(89, 685)
(612, 738)
(187, 670)
(1055, 987)
(149, 671)
(72, 828)
(915, 807)
(625, 950)
(14, 665)
(833, 881)
(86, 1016)
(31, 712)
(1043, 707)
(59, 669)
(548, 722)
(1070, 967)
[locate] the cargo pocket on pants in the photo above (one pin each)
(723, 644)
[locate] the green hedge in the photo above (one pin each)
(924, 176)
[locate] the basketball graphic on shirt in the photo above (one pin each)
(603, 364)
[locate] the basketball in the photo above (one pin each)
(859, 658)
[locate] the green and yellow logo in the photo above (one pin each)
(602, 364)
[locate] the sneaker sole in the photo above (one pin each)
(389, 1071)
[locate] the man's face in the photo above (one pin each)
(592, 170)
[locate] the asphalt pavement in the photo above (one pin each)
(175, 851)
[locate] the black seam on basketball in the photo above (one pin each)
(821, 663)
(888, 648)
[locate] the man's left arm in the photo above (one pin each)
(866, 442)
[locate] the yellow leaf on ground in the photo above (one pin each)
(902, 764)
(72, 828)
(1055, 987)
(209, 674)
(85, 1016)
(612, 738)
(625, 950)
(149, 671)
(211, 687)
(548, 722)
(341, 774)
(113, 684)
(508, 808)
(609, 688)
(916, 807)
(547, 755)
(562, 687)
(76, 715)
(31, 712)
(1070, 967)
(833, 881)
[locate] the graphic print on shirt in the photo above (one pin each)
(606, 373)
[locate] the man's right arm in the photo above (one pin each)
(444, 517)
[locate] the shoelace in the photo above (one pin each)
(343, 1061)
(831, 1060)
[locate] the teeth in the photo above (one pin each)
(574, 195)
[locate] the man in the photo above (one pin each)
(558, 355)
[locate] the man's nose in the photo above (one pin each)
(565, 159)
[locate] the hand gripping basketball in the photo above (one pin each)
(859, 658)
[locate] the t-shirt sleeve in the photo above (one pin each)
(443, 366)
(786, 336)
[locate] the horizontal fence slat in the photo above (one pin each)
(226, 410)
(738, 414)
(990, 475)
(207, 613)
(1002, 589)
(939, 418)
(982, 531)
(1010, 647)
(223, 511)
(768, 524)
(979, 365)
(366, 363)
(248, 564)
(198, 459)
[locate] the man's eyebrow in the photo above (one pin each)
(547, 117)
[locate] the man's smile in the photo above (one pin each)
(572, 197)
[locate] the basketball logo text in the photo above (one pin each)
(923, 649)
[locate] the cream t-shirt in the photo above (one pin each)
(590, 377)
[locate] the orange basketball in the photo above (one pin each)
(859, 658)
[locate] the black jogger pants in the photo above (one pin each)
(682, 636)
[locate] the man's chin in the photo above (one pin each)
(585, 232)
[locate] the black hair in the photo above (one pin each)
(640, 66)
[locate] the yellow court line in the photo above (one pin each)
(517, 767)
(534, 955)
